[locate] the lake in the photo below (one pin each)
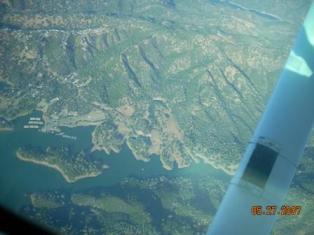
(18, 178)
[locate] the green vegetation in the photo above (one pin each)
(112, 204)
(159, 205)
(190, 80)
(72, 166)
(47, 200)
(184, 80)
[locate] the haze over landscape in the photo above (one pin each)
(138, 112)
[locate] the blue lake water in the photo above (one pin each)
(18, 178)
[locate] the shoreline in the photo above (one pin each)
(58, 169)
(6, 129)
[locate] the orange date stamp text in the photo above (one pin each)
(284, 210)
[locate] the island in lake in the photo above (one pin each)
(72, 166)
